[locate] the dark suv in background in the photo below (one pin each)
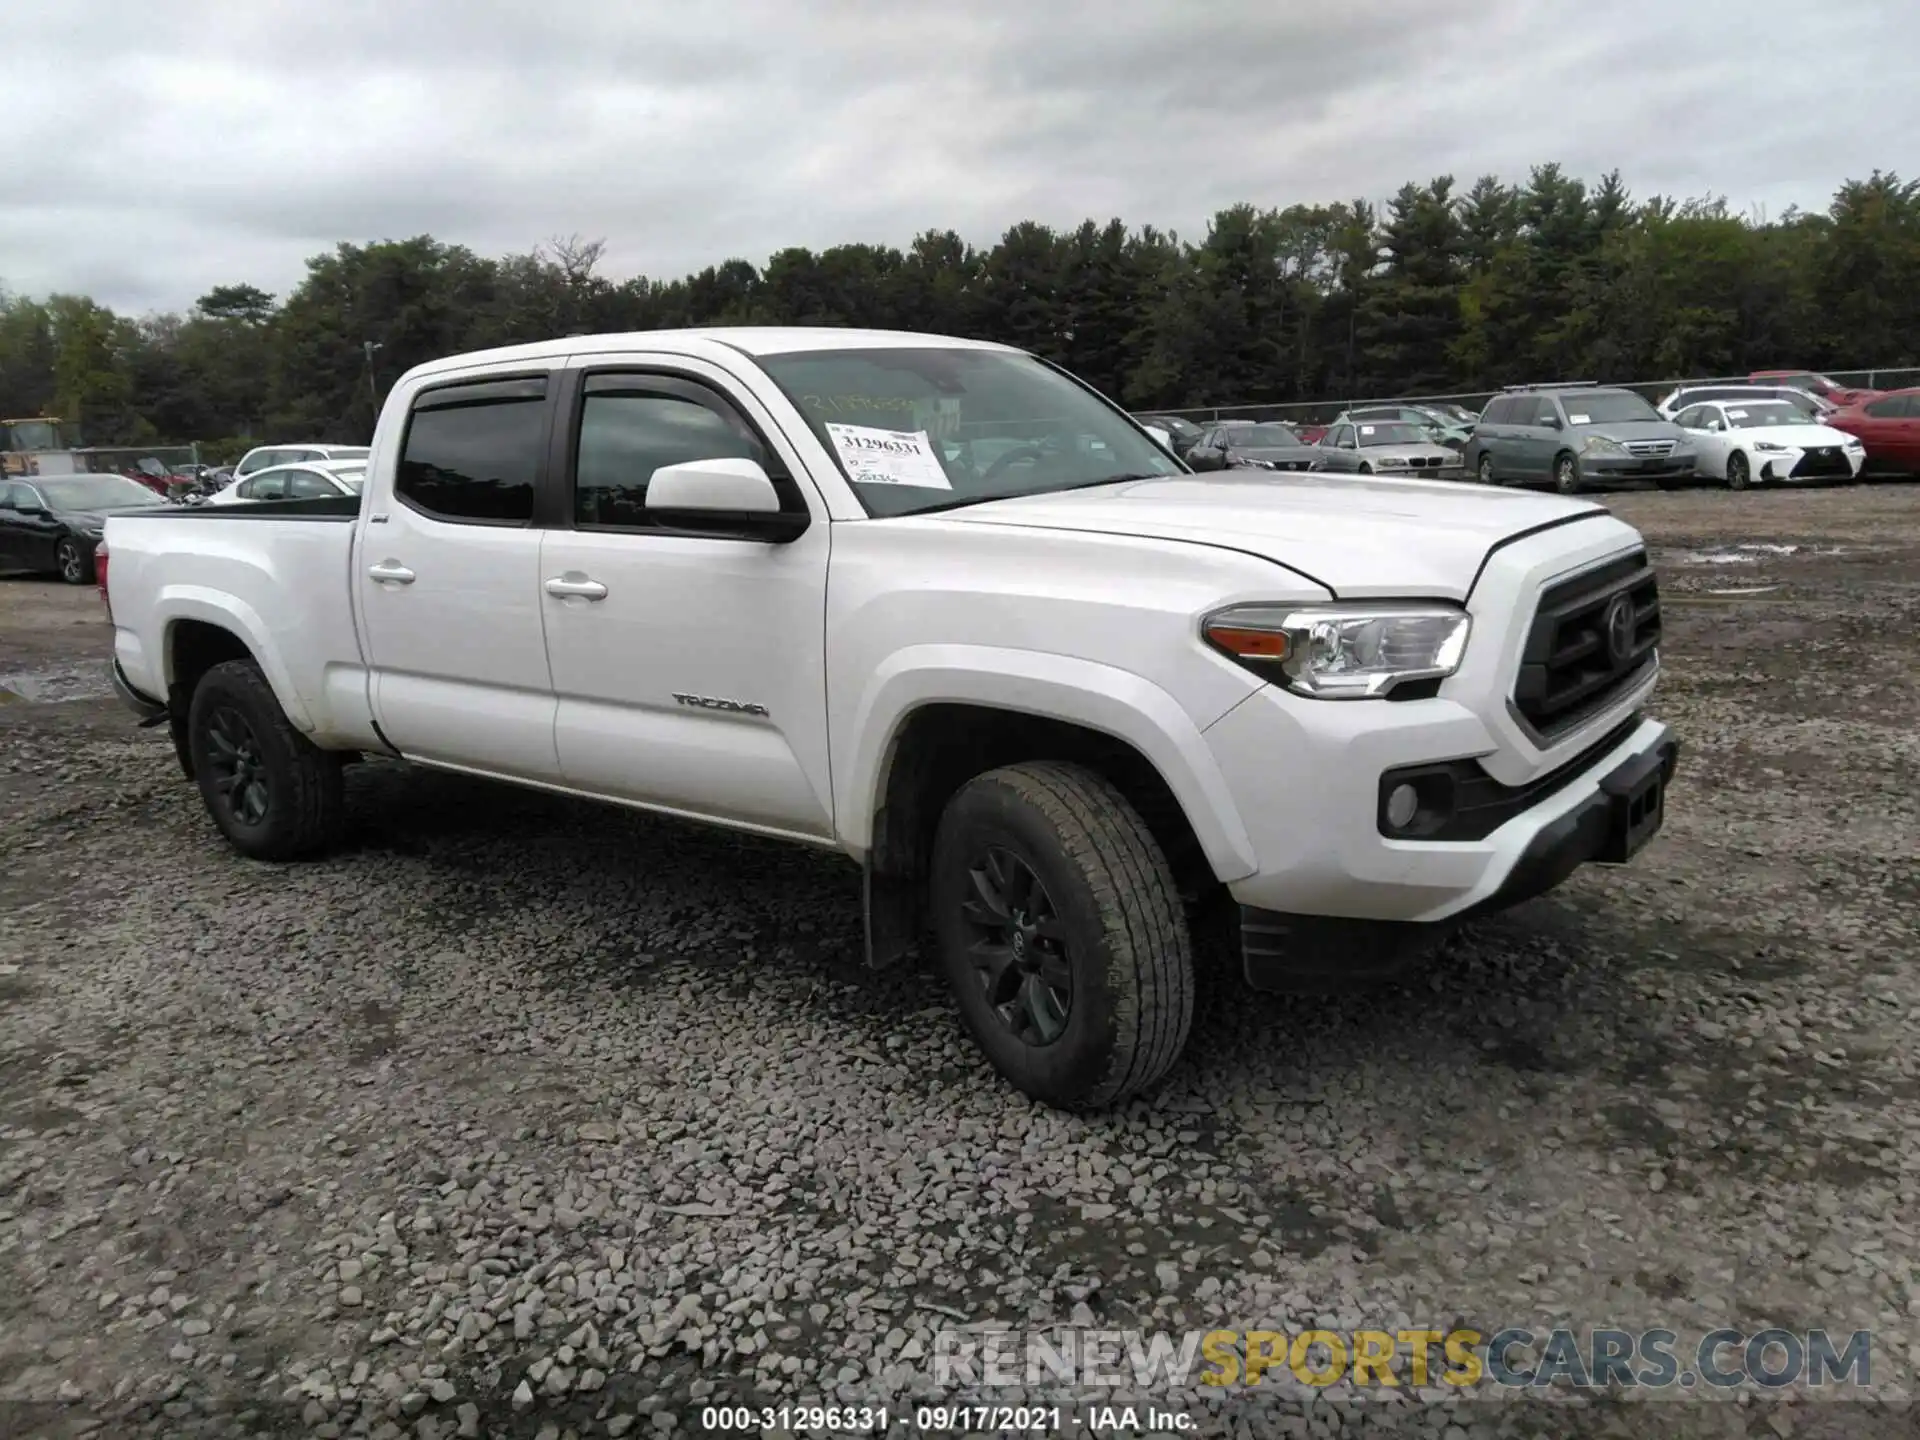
(1573, 435)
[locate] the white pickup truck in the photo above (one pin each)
(937, 606)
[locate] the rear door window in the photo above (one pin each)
(473, 452)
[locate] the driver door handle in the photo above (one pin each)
(391, 573)
(581, 589)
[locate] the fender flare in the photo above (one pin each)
(232, 614)
(1083, 692)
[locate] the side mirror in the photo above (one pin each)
(728, 496)
(1162, 438)
(1552, 422)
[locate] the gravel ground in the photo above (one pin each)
(523, 1118)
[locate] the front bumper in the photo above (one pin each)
(1797, 467)
(1628, 467)
(1306, 777)
(1616, 807)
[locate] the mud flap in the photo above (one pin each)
(893, 916)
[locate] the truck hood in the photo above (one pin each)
(1359, 536)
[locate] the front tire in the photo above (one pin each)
(74, 563)
(1566, 473)
(1486, 469)
(274, 794)
(1061, 932)
(1739, 472)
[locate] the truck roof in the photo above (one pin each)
(753, 340)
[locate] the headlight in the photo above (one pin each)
(1601, 445)
(1342, 652)
(1772, 447)
(1391, 462)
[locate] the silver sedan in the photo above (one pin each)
(1388, 448)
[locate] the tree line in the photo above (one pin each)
(1439, 290)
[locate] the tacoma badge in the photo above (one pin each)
(708, 702)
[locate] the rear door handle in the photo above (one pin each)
(391, 573)
(576, 589)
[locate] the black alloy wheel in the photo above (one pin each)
(73, 562)
(1018, 947)
(237, 769)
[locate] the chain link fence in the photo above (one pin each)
(1321, 412)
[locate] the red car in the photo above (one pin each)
(1814, 383)
(1888, 424)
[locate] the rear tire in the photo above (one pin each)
(1566, 473)
(274, 794)
(1061, 932)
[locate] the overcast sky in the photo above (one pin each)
(150, 149)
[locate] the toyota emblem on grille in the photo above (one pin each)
(1620, 629)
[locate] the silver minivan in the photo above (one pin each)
(1574, 435)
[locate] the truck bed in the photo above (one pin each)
(277, 574)
(338, 508)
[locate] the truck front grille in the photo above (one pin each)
(1593, 635)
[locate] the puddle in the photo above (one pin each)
(76, 680)
(1753, 554)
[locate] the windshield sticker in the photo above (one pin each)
(1736, 414)
(1579, 419)
(1366, 429)
(888, 457)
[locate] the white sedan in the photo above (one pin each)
(311, 480)
(1756, 442)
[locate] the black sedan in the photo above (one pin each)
(1243, 445)
(51, 523)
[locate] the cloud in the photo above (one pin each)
(156, 150)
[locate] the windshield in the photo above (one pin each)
(1755, 414)
(1256, 437)
(933, 428)
(1391, 433)
(96, 492)
(1607, 407)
